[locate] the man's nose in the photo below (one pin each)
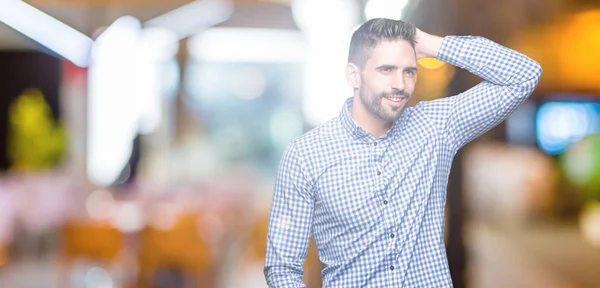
(398, 82)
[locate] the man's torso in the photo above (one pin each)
(379, 203)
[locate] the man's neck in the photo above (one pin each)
(366, 120)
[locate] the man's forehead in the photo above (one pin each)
(398, 52)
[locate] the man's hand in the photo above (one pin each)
(427, 45)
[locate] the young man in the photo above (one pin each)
(370, 185)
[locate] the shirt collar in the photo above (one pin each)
(349, 123)
(351, 127)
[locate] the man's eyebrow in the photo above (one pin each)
(385, 66)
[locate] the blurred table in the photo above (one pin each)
(550, 255)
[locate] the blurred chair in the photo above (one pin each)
(258, 238)
(179, 248)
(90, 240)
(3, 256)
(313, 267)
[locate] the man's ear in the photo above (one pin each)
(353, 75)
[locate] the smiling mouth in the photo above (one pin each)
(395, 99)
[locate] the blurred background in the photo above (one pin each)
(139, 139)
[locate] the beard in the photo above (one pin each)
(374, 105)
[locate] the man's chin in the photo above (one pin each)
(392, 110)
(391, 116)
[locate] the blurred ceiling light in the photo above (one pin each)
(430, 63)
(113, 112)
(194, 17)
(123, 32)
(158, 43)
(155, 47)
(433, 79)
(391, 9)
(328, 26)
(249, 45)
(316, 16)
(46, 30)
(120, 28)
(126, 81)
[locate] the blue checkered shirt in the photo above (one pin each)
(375, 206)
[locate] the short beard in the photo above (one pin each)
(374, 106)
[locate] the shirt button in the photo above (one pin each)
(384, 201)
(378, 173)
(375, 144)
(392, 235)
(391, 267)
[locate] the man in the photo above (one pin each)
(370, 185)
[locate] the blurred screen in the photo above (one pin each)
(562, 122)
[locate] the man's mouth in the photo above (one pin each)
(395, 99)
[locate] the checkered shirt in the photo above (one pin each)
(375, 206)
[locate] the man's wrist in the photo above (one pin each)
(430, 46)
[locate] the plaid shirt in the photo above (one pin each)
(375, 206)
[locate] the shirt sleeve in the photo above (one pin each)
(509, 78)
(290, 222)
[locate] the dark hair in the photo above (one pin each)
(370, 33)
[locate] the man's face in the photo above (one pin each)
(388, 79)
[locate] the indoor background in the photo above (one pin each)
(139, 139)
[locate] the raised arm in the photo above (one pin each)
(509, 78)
(290, 222)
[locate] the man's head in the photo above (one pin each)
(382, 66)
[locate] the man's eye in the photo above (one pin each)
(411, 72)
